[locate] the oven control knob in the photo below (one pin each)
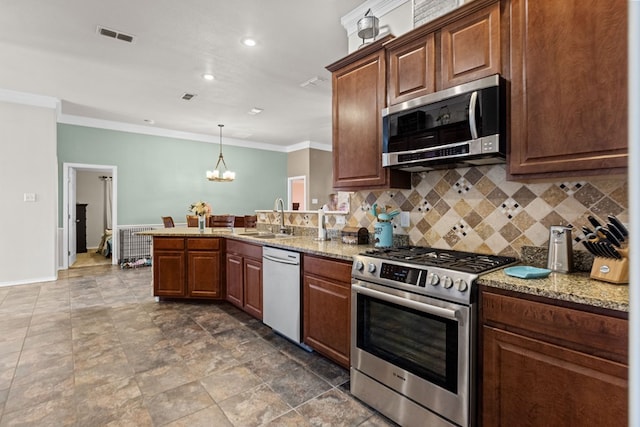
(461, 285)
(433, 279)
(371, 268)
(447, 282)
(359, 265)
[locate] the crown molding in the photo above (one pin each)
(29, 99)
(378, 8)
(169, 133)
(308, 144)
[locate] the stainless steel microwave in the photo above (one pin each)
(456, 127)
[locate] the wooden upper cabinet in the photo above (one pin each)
(568, 88)
(470, 47)
(359, 95)
(412, 70)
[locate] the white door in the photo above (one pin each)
(71, 226)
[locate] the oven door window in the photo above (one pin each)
(420, 343)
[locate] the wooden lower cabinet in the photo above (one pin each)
(547, 365)
(187, 267)
(235, 283)
(244, 276)
(327, 307)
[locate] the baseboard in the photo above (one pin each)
(29, 281)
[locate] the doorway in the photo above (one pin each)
(69, 190)
(297, 192)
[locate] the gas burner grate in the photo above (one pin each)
(453, 260)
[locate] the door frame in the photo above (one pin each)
(290, 181)
(109, 169)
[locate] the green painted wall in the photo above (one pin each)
(160, 176)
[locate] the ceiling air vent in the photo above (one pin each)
(188, 96)
(115, 34)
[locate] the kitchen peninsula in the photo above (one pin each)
(577, 288)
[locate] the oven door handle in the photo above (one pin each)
(425, 308)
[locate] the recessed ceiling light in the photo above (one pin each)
(208, 76)
(149, 121)
(247, 41)
(255, 111)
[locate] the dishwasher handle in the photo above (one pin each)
(280, 260)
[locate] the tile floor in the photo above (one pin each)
(94, 348)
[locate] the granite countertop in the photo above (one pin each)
(576, 287)
(329, 248)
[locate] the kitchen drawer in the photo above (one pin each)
(168, 243)
(592, 333)
(245, 249)
(330, 269)
(203, 243)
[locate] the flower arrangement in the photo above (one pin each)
(200, 208)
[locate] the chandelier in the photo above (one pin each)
(217, 174)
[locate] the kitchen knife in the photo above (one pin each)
(587, 244)
(616, 232)
(615, 221)
(597, 250)
(610, 250)
(586, 230)
(609, 237)
(594, 221)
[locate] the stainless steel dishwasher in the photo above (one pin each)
(281, 293)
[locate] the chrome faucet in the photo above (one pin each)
(279, 203)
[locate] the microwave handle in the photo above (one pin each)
(472, 114)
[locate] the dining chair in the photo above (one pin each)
(168, 222)
(250, 221)
(222, 220)
(192, 220)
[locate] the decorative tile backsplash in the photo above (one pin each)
(476, 209)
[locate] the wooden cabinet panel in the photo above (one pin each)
(597, 334)
(234, 272)
(168, 243)
(545, 364)
(471, 47)
(327, 318)
(359, 94)
(168, 273)
(327, 307)
(182, 268)
(253, 287)
(412, 69)
(527, 382)
(244, 276)
(204, 274)
(568, 88)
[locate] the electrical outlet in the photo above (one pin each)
(29, 197)
(340, 219)
(314, 201)
(263, 217)
(404, 219)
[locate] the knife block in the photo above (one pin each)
(611, 270)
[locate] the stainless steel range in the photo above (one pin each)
(413, 332)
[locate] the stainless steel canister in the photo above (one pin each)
(560, 256)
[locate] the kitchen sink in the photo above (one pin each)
(265, 235)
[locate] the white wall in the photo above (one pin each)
(28, 164)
